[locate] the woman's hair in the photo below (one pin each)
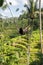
(21, 31)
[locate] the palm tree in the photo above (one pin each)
(32, 8)
(31, 15)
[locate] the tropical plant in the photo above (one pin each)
(32, 9)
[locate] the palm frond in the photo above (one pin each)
(17, 9)
(27, 7)
(36, 4)
(1, 2)
(10, 3)
(4, 6)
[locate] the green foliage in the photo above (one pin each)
(13, 46)
(1, 2)
(14, 50)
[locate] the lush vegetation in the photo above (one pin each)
(14, 51)
(14, 47)
(17, 49)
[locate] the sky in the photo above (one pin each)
(15, 4)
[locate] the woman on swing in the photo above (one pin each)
(23, 31)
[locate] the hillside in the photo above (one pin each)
(15, 50)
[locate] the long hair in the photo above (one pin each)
(21, 31)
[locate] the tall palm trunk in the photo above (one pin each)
(40, 25)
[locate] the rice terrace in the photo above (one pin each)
(21, 32)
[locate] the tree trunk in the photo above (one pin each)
(40, 26)
(40, 32)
